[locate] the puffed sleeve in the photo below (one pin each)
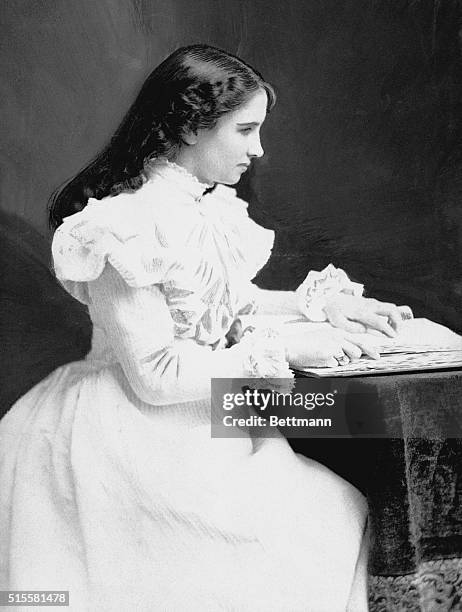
(107, 232)
(164, 369)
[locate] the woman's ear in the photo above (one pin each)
(189, 138)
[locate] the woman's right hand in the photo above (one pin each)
(327, 348)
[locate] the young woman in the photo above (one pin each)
(112, 487)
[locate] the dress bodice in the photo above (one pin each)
(201, 250)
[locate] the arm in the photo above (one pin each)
(330, 296)
(160, 368)
(269, 302)
(310, 298)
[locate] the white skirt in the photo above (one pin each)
(135, 507)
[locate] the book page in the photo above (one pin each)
(420, 345)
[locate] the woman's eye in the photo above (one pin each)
(246, 130)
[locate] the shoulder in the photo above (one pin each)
(125, 214)
(122, 230)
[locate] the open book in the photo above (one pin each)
(421, 345)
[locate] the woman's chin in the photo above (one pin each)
(232, 179)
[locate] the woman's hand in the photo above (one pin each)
(327, 348)
(358, 314)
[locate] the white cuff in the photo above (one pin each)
(266, 357)
(312, 294)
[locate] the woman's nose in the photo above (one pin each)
(255, 149)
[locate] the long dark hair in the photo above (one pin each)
(189, 90)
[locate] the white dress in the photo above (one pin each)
(111, 484)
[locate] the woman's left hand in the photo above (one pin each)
(359, 314)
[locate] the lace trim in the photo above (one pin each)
(266, 359)
(177, 174)
(435, 587)
(318, 286)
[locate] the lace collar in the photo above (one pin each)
(177, 176)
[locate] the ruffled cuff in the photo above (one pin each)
(266, 358)
(317, 287)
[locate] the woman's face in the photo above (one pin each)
(222, 154)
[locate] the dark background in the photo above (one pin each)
(363, 164)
